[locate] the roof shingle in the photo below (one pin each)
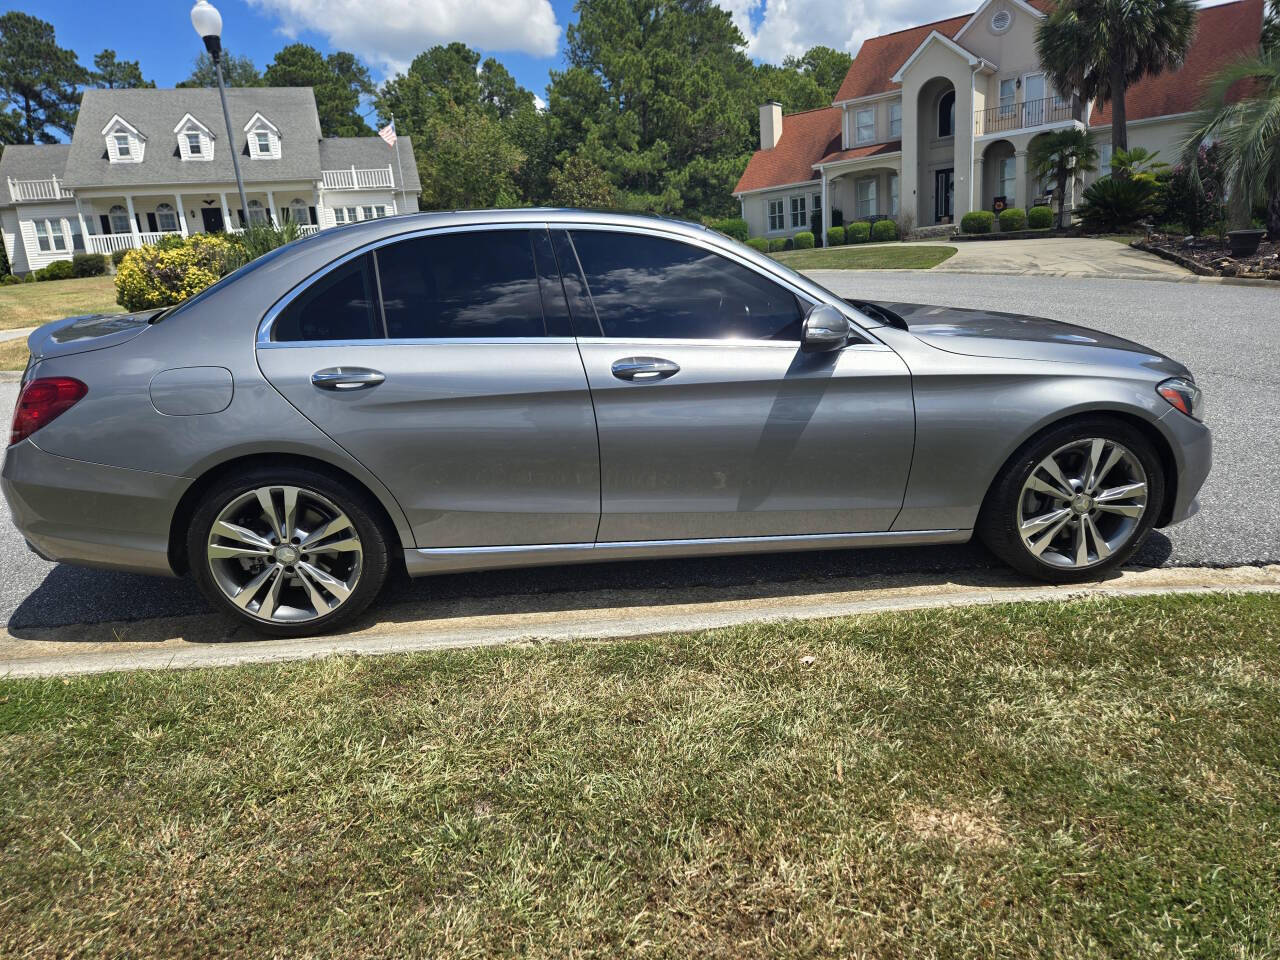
(880, 57)
(805, 137)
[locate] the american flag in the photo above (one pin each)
(388, 133)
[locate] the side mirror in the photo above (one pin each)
(825, 329)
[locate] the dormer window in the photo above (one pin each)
(124, 143)
(263, 138)
(195, 140)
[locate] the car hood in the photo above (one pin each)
(989, 333)
(94, 331)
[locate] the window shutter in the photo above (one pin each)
(312, 211)
(106, 223)
(240, 211)
(151, 223)
(138, 217)
(284, 214)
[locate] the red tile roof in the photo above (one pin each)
(870, 150)
(1223, 33)
(880, 57)
(805, 137)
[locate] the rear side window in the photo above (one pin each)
(473, 284)
(651, 287)
(341, 305)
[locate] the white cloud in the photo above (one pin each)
(777, 28)
(539, 103)
(390, 33)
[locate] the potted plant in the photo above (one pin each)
(1244, 243)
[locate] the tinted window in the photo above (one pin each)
(341, 305)
(645, 286)
(474, 284)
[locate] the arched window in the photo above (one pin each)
(298, 211)
(947, 114)
(257, 212)
(166, 218)
(119, 218)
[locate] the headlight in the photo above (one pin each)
(1183, 394)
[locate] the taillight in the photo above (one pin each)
(43, 400)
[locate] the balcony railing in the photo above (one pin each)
(378, 178)
(21, 191)
(1019, 116)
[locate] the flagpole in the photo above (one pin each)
(399, 166)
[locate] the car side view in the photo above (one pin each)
(474, 390)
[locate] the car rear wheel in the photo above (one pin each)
(290, 552)
(1075, 502)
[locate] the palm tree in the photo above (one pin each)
(1060, 156)
(1246, 126)
(1099, 48)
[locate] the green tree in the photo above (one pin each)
(471, 162)
(824, 66)
(1100, 48)
(1240, 110)
(791, 88)
(1271, 26)
(1061, 156)
(236, 72)
(339, 81)
(580, 183)
(38, 81)
(111, 73)
(659, 94)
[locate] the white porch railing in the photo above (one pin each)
(378, 178)
(26, 190)
(111, 242)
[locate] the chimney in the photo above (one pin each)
(770, 124)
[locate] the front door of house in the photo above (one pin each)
(212, 219)
(943, 193)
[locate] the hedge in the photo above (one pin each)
(859, 232)
(776, 244)
(835, 236)
(1014, 218)
(58, 270)
(734, 227)
(884, 230)
(978, 221)
(88, 265)
(155, 277)
(803, 240)
(1040, 218)
(758, 243)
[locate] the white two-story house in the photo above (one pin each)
(935, 121)
(143, 164)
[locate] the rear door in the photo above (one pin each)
(432, 361)
(713, 423)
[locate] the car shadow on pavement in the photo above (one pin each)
(78, 595)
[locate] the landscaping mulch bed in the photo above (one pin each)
(1210, 257)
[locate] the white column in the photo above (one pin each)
(226, 213)
(271, 207)
(1022, 195)
(84, 227)
(318, 193)
(826, 206)
(182, 214)
(979, 181)
(133, 219)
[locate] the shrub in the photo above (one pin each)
(88, 265)
(977, 221)
(260, 238)
(858, 232)
(884, 230)
(758, 243)
(1014, 218)
(734, 227)
(835, 236)
(58, 270)
(157, 277)
(789, 243)
(1111, 203)
(1040, 218)
(776, 244)
(118, 255)
(804, 240)
(9, 278)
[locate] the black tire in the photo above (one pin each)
(358, 506)
(999, 518)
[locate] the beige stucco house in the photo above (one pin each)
(143, 164)
(935, 121)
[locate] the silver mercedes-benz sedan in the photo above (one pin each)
(465, 391)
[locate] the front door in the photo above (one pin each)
(433, 362)
(211, 217)
(712, 422)
(943, 194)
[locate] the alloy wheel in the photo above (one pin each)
(285, 554)
(1082, 503)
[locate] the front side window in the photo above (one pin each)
(865, 192)
(42, 235)
(865, 121)
(166, 218)
(471, 284)
(893, 194)
(777, 215)
(651, 287)
(798, 218)
(257, 212)
(264, 143)
(895, 121)
(122, 146)
(119, 218)
(299, 213)
(379, 211)
(947, 114)
(341, 305)
(1006, 97)
(1008, 179)
(193, 144)
(1104, 159)
(368, 213)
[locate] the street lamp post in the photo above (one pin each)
(208, 23)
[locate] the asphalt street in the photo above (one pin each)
(1228, 335)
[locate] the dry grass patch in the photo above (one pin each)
(14, 354)
(33, 304)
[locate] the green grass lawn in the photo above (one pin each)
(13, 354)
(31, 304)
(884, 257)
(1084, 779)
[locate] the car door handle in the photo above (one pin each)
(347, 378)
(641, 369)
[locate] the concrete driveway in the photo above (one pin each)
(1060, 257)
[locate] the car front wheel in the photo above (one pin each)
(1075, 502)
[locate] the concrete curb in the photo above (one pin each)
(205, 641)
